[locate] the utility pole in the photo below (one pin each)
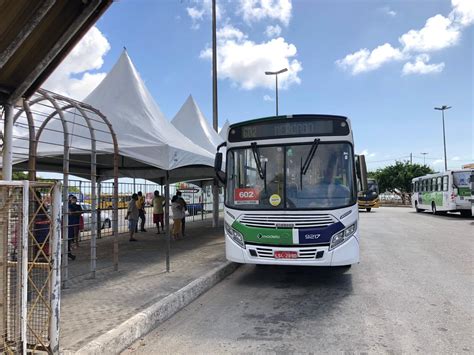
(442, 109)
(411, 158)
(215, 123)
(424, 157)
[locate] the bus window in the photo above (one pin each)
(433, 184)
(445, 183)
(439, 187)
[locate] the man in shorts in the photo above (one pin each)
(158, 203)
(132, 216)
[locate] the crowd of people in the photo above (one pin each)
(136, 212)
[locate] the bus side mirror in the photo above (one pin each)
(361, 169)
(221, 176)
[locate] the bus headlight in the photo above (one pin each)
(340, 237)
(234, 235)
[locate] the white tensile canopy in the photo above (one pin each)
(149, 145)
(224, 129)
(191, 122)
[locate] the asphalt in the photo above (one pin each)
(411, 293)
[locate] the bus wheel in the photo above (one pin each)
(466, 213)
(433, 207)
(416, 207)
(368, 209)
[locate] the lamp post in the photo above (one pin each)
(276, 83)
(442, 109)
(424, 161)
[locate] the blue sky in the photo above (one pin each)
(388, 90)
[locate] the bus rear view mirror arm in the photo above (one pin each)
(362, 172)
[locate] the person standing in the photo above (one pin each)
(158, 203)
(74, 218)
(184, 206)
(141, 211)
(132, 216)
(178, 212)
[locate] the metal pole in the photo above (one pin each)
(7, 142)
(444, 141)
(167, 221)
(55, 233)
(276, 95)
(215, 190)
(214, 68)
(24, 267)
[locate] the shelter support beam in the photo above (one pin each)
(7, 142)
(167, 221)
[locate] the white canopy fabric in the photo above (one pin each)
(191, 122)
(149, 145)
(224, 129)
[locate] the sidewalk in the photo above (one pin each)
(90, 308)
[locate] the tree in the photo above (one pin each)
(397, 178)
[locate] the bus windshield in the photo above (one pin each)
(326, 181)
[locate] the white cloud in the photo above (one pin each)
(257, 10)
(273, 31)
(365, 60)
(438, 161)
(73, 77)
(463, 12)
(420, 66)
(202, 9)
(439, 32)
(267, 98)
(456, 158)
(244, 62)
(388, 11)
(367, 154)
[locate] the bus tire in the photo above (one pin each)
(433, 208)
(466, 213)
(418, 210)
(368, 209)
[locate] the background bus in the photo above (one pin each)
(291, 191)
(449, 191)
(369, 199)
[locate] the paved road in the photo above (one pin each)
(412, 292)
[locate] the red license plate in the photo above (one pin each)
(286, 255)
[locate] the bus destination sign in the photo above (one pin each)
(298, 127)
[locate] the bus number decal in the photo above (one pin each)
(246, 196)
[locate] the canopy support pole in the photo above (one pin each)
(7, 142)
(167, 221)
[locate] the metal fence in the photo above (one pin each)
(30, 258)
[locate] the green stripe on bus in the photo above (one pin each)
(428, 197)
(265, 235)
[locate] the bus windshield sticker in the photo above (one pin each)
(275, 200)
(249, 196)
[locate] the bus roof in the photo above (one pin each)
(270, 118)
(447, 172)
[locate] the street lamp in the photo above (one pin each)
(424, 154)
(442, 109)
(276, 83)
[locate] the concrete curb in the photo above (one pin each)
(119, 338)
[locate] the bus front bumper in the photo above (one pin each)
(345, 254)
(369, 204)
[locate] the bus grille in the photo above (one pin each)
(287, 221)
(305, 253)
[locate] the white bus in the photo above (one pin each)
(291, 191)
(449, 191)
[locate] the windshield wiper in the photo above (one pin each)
(304, 167)
(262, 172)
